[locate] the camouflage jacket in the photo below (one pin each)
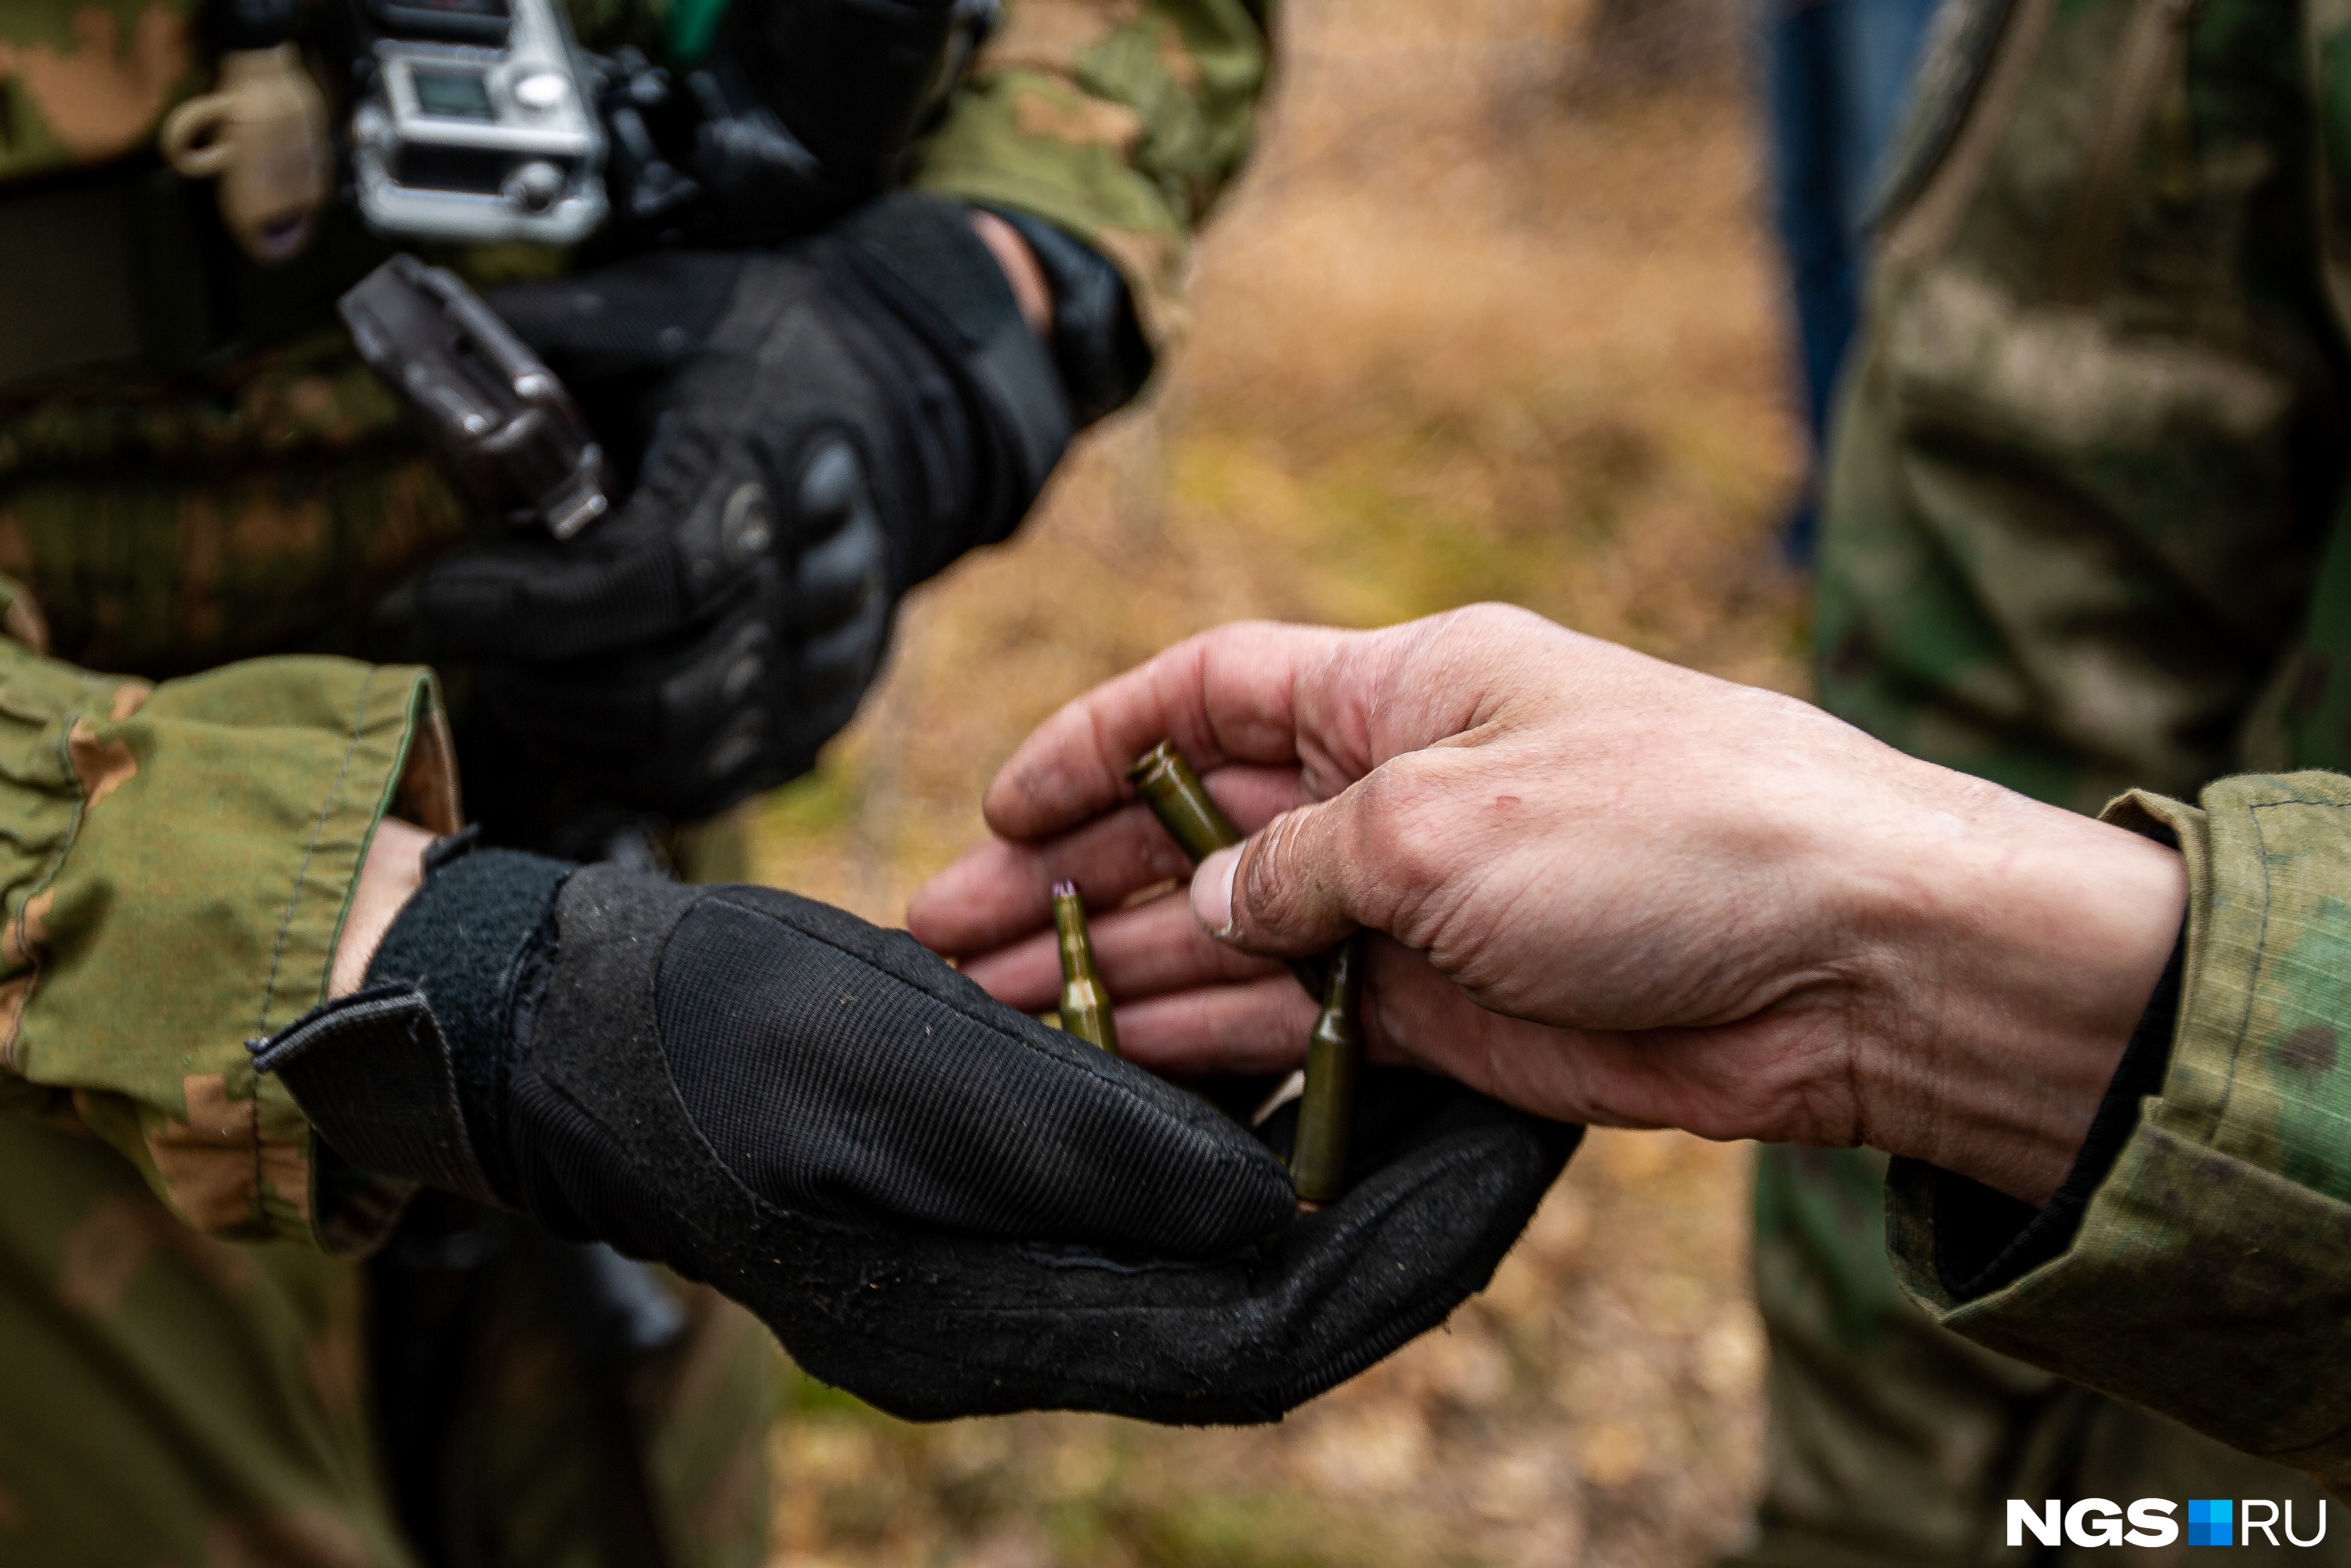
(2086, 530)
(177, 850)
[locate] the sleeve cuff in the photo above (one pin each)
(207, 859)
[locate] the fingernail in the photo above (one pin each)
(1212, 891)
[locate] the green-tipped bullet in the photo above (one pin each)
(1326, 1111)
(1085, 1004)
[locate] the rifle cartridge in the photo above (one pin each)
(1085, 1003)
(1197, 823)
(1326, 1111)
(1181, 803)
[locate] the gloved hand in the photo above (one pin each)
(935, 1201)
(813, 431)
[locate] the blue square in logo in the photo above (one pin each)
(2209, 1522)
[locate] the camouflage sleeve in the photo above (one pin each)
(1119, 120)
(2089, 441)
(2210, 1280)
(175, 862)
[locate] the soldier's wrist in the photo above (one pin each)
(1021, 269)
(1986, 1239)
(407, 1076)
(1095, 336)
(389, 877)
(2006, 976)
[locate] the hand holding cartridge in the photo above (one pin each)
(1599, 887)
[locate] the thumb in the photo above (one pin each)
(1285, 889)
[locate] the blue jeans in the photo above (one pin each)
(1836, 78)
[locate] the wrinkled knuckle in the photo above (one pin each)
(1492, 620)
(1399, 831)
(1490, 612)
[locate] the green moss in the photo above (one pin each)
(811, 806)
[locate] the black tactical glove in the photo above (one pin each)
(813, 431)
(935, 1202)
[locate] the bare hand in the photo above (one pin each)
(1612, 890)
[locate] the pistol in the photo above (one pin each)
(503, 421)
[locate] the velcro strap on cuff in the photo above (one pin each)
(372, 1072)
(1097, 343)
(920, 250)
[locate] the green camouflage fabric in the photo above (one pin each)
(171, 1400)
(162, 1340)
(169, 530)
(174, 865)
(1894, 1440)
(2083, 532)
(1121, 120)
(2091, 443)
(87, 80)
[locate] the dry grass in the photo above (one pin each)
(1466, 332)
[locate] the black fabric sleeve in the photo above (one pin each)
(1984, 1238)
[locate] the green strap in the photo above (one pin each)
(689, 27)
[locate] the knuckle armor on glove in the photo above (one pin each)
(816, 431)
(935, 1201)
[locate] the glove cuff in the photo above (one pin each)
(919, 253)
(372, 1072)
(1097, 343)
(408, 1075)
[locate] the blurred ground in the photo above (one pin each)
(1491, 316)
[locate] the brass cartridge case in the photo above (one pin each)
(1085, 1004)
(1326, 1111)
(1181, 803)
(1197, 823)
